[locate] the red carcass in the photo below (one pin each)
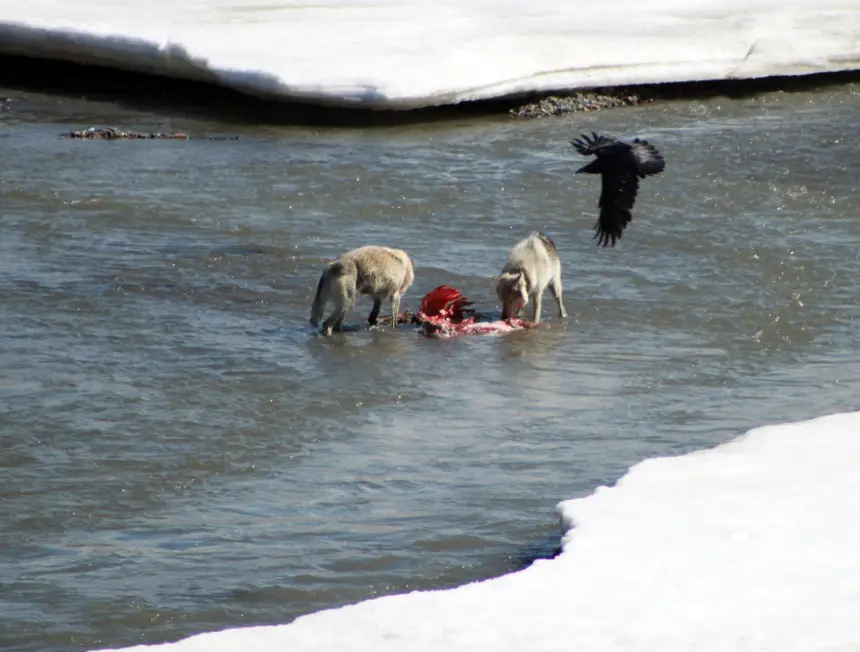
(445, 312)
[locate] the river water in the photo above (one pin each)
(180, 453)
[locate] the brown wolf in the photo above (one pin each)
(532, 266)
(380, 272)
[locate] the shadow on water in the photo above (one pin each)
(138, 91)
(547, 549)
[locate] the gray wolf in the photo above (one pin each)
(379, 272)
(533, 265)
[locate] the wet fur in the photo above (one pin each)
(532, 267)
(379, 272)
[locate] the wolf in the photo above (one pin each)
(533, 265)
(381, 272)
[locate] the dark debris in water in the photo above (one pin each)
(404, 317)
(581, 101)
(111, 133)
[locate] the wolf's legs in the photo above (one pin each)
(555, 288)
(395, 308)
(374, 313)
(334, 321)
(343, 302)
(537, 302)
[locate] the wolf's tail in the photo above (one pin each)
(321, 296)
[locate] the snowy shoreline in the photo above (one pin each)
(163, 93)
(748, 546)
(413, 54)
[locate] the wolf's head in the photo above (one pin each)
(512, 292)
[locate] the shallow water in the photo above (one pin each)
(182, 454)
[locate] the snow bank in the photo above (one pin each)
(414, 53)
(751, 546)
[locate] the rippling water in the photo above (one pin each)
(180, 453)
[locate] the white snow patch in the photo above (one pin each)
(413, 53)
(750, 546)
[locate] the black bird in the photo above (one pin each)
(620, 166)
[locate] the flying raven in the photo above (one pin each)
(620, 166)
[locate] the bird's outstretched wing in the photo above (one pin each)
(648, 159)
(587, 146)
(617, 195)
